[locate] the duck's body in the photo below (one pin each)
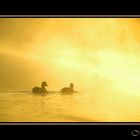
(41, 89)
(68, 89)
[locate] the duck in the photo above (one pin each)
(68, 89)
(41, 89)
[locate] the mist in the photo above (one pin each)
(61, 50)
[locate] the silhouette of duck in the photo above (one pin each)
(68, 89)
(41, 89)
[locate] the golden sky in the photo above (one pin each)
(93, 53)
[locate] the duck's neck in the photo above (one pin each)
(43, 87)
(71, 88)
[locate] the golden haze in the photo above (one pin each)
(99, 55)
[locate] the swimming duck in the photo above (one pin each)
(41, 89)
(68, 89)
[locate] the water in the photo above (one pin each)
(24, 106)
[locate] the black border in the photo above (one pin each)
(69, 7)
(69, 131)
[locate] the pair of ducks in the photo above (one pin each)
(42, 89)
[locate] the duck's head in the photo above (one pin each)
(44, 84)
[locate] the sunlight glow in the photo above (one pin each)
(100, 56)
